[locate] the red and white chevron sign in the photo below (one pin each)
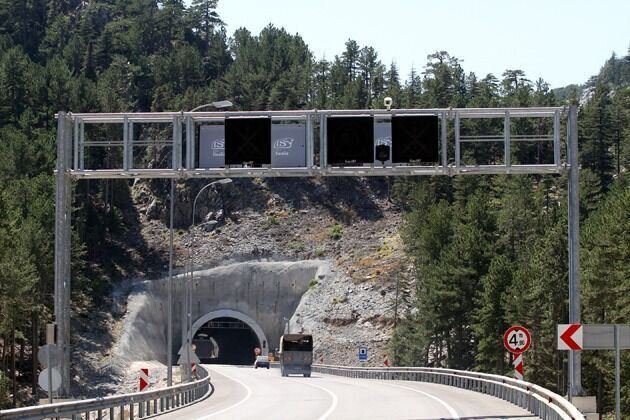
(143, 377)
(518, 366)
(570, 337)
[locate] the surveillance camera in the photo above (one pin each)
(388, 103)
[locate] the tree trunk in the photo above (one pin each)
(22, 345)
(13, 370)
(35, 347)
(3, 354)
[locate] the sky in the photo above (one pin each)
(562, 41)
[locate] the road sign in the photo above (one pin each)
(570, 336)
(518, 366)
(517, 339)
(602, 336)
(592, 336)
(51, 333)
(363, 354)
(49, 355)
(143, 379)
(44, 380)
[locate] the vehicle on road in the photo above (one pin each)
(261, 362)
(296, 354)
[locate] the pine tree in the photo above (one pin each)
(596, 136)
(490, 323)
(15, 69)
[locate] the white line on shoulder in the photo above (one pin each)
(249, 394)
(335, 400)
(449, 408)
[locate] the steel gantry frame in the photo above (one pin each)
(71, 165)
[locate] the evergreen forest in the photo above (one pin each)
(488, 251)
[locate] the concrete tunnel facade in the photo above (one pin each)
(260, 294)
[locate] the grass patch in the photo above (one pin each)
(320, 251)
(339, 299)
(336, 232)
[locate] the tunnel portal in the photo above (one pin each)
(226, 340)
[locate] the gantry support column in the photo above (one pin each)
(575, 360)
(63, 208)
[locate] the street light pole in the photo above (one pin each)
(189, 281)
(169, 340)
(187, 295)
(217, 104)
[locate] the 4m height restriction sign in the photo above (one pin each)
(517, 339)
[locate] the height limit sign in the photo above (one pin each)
(517, 340)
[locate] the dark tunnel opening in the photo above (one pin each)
(228, 341)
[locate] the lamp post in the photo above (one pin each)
(217, 104)
(169, 332)
(188, 292)
(169, 340)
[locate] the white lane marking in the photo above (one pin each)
(249, 394)
(335, 400)
(450, 409)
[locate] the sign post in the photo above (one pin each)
(517, 340)
(617, 374)
(50, 356)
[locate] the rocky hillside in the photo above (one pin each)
(350, 222)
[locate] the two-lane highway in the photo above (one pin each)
(242, 392)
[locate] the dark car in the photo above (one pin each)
(261, 361)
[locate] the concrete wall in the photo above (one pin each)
(266, 292)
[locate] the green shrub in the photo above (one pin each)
(5, 401)
(336, 232)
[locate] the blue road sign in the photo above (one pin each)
(363, 354)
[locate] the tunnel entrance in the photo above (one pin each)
(226, 340)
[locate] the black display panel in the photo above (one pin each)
(248, 140)
(415, 139)
(350, 140)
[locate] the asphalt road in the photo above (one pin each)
(242, 392)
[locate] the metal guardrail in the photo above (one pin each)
(129, 406)
(533, 398)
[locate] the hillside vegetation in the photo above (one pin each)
(487, 251)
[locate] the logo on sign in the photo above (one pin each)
(384, 141)
(218, 147)
(285, 143)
